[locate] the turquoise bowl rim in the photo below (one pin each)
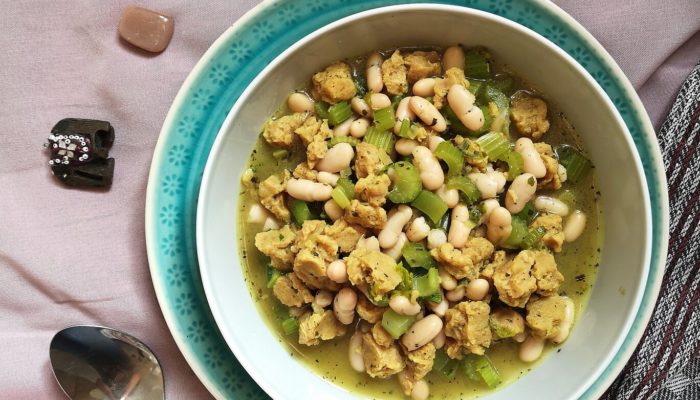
(221, 75)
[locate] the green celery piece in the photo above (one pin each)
(300, 211)
(381, 139)
(427, 284)
(495, 145)
(396, 324)
(577, 166)
(452, 156)
(339, 112)
(384, 118)
(476, 64)
(466, 186)
(430, 204)
(515, 164)
(273, 274)
(517, 233)
(406, 182)
(533, 237)
(418, 256)
(290, 326)
(343, 139)
(321, 109)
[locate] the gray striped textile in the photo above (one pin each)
(666, 364)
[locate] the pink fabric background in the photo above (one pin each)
(72, 256)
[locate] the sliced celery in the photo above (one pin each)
(406, 278)
(321, 108)
(396, 324)
(280, 154)
(476, 87)
(272, 275)
(445, 365)
(340, 197)
(568, 197)
(418, 256)
(381, 139)
(290, 326)
(476, 64)
(339, 112)
(452, 156)
(430, 204)
(477, 367)
(428, 284)
(533, 237)
(494, 144)
(577, 166)
(395, 100)
(466, 186)
(406, 130)
(384, 118)
(300, 211)
(517, 233)
(343, 139)
(347, 186)
(406, 182)
(515, 164)
(527, 213)
(456, 125)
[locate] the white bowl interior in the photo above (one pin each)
(607, 318)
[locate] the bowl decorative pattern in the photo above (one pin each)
(212, 88)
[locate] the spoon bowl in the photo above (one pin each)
(98, 363)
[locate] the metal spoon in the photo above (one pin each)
(98, 363)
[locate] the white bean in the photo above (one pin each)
(360, 107)
(304, 189)
(300, 102)
(551, 205)
(403, 111)
(487, 184)
(453, 58)
(561, 171)
(460, 226)
(447, 281)
(520, 337)
(431, 173)
(402, 305)
(355, 352)
(333, 210)
(487, 206)
(371, 243)
(395, 250)
(477, 289)
(462, 103)
(424, 87)
(358, 129)
(394, 225)
(566, 323)
(436, 238)
(337, 271)
(420, 391)
(520, 192)
(422, 332)
(337, 158)
(531, 349)
(418, 230)
(271, 223)
(257, 214)
(499, 225)
(449, 196)
(405, 146)
(379, 100)
(456, 294)
(532, 161)
(440, 308)
(343, 129)
(344, 305)
(434, 141)
(440, 340)
(500, 179)
(323, 298)
(374, 72)
(328, 178)
(427, 112)
(574, 225)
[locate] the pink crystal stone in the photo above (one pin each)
(146, 29)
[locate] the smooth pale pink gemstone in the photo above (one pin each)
(146, 29)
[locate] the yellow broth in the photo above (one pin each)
(578, 262)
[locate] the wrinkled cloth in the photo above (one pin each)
(72, 256)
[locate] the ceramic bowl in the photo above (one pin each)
(622, 274)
